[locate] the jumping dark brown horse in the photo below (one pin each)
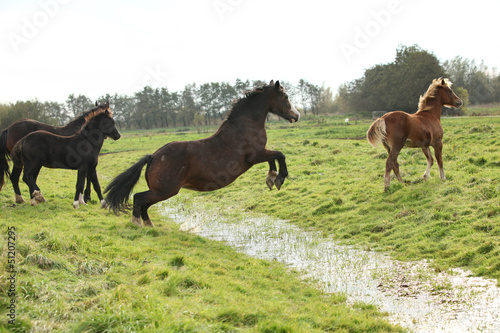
(398, 129)
(19, 129)
(76, 152)
(212, 163)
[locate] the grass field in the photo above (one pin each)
(492, 109)
(88, 270)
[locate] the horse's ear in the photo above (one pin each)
(107, 104)
(443, 82)
(96, 103)
(277, 85)
(271, 83)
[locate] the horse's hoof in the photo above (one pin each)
(104, 204)
(37, 195)
(136, 221)
(86, 199)
(19, 199)
(80, 200)
(34, 202)
(271, 178)
(148, 223)
(278, 182)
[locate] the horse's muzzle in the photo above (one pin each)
(115, 136)
(294, 117)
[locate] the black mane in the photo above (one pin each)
(81, 118)
(239, 104)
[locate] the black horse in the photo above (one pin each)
(77, 152)
(211, 163)
(19, 129)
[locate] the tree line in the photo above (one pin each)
(398, 85)
(383, 87)
(195, 105)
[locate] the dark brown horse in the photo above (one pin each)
(76, 152)
(212, 163)
(19, 129)
(398, 129)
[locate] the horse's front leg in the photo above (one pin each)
(88, 189)
(271, 175)
(80, 183)
(92, 176)
(270, 156)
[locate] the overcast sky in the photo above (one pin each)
(52, 48)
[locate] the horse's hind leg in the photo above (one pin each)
(31, 172)
(391, 164)
(144, 200)
(38, 194)
(14, 178)
(438, 150)
(428, 156)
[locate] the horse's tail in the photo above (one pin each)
(377, 132)
(120, 188)
(4, 157)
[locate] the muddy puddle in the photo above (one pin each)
(412, 293)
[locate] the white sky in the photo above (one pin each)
(52, 48)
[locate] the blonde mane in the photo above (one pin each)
(431, 93)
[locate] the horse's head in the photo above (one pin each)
(448, 97)
(106, 122)
(280, 104)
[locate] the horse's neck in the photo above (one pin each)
(434, 107)
(73, 126)
(252, 130)
(93, 134)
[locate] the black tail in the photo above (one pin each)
(121, 187)
(4, 157)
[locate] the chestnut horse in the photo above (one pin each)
(212, 163)
(398, 129)
(76, 152)
(19, 129)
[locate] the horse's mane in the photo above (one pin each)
(81, 118)
(431, 93)
(248, 98)
(100, 109)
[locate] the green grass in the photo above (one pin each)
(88, 270)
(491, 109)
(336, 186)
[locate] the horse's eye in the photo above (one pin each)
(286, 97)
